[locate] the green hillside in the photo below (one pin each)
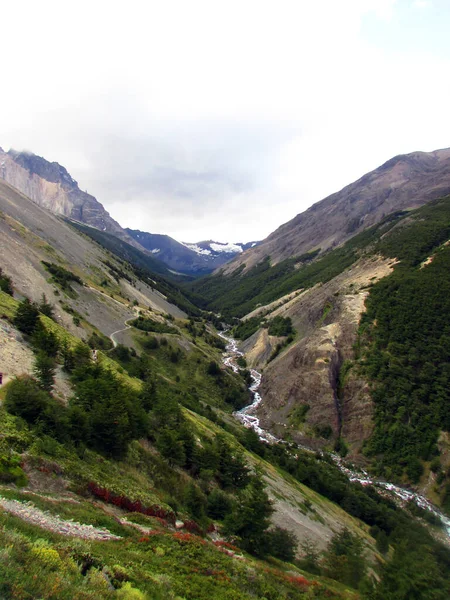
(237, 294)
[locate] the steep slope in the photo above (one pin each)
(199, 258)
(50, 185)
(139, 482)
(30, 234)
(403, 182)
(368, 368)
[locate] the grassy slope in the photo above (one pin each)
(144, 266)
(237, 295)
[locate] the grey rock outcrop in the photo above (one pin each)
(50, 185)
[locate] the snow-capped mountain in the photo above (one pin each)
(197, 258)
(210, 248)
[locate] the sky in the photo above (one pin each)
(211, 119)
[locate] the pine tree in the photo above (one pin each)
(26, 316)
(251, 517)
(46, 308)
(344, 558)
(44, 369)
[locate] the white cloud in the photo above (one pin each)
(211, 119)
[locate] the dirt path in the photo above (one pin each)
(111, 337)
(31, 514)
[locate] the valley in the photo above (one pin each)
(275, 430)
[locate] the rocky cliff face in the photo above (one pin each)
(406, 181)
(51, 186)
(310, 391)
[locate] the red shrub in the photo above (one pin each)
(192, 527)
(131, 505)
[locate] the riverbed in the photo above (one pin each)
(249, 419)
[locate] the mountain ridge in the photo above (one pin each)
(403, 182)
(50, 185)
(198, 258)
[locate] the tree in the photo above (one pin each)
(344, 558)
(148, 392)
(249, 519)
(24, 398)
(44, 369)
(195, 501)
(281, 543)
(6, 284)
(26, 316)
(232, 470)
(170, 447)
(213, 369)
(310, 557)
(219, 504)
(45, 340)
(46, 308)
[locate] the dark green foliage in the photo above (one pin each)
(11, 471)
(219, 504)
(171, 446)
(415, 573)
(280, 326)
(407, 353)
(146, 324)
(44, 370)
(238, 294)
(247, 328)
(232, 470)
(250, 518)
(310, 560)
(45, 341)
(77, 358)
(99, 342)
(26, 317)
(122, 353)
(344, 558)
(61, 276)
(324, 431)
(281, 543)
(213, 369)
(26, 399)
(45, 308)
(6, 283)
(195, 501)
(151, 343)
(114, 412)
(241, 362)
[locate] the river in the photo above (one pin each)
(248, 418)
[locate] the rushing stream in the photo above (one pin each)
(247, 416)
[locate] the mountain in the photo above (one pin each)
(403, 182)
(108, 443)
(50, 185)
(198, 258)
(354, 353)
(123, 470)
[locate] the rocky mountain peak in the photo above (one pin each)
(50, 185)
(50, 171)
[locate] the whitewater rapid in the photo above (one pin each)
(248, 418)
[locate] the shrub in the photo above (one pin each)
(24, 398)
(281, 543)
(280, 326)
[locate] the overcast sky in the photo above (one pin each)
(222, 119)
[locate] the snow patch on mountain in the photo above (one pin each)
(197, 249)
(218, 247)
